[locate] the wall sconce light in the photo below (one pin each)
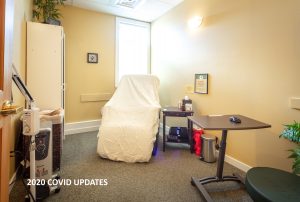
(195, 22)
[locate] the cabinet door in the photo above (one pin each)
(44, 64)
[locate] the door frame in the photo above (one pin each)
(6, 36)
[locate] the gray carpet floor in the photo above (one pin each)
(165, 178)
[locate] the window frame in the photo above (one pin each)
(146, 25)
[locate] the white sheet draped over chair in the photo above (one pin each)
(130, 120)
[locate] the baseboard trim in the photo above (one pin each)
(82, 127)
(236, 163)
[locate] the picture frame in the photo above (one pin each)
(201, 84)
(92, 57)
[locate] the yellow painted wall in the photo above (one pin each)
(23, 13)
(251, 50)
(87, 31)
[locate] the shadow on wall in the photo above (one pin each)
(267, 155)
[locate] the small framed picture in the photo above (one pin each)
(92, 57)
(201, 83)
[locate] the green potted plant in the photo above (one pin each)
(292, 133)
(47, 11)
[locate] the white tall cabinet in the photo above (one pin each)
(45, 64)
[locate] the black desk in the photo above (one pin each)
(221, 123)
(175, 112)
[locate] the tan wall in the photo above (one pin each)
(87, 31)
(251, 51)
(23, 13)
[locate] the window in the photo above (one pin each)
(132, 48)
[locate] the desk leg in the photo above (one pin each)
(164, 132)
(219, 177)
(222, 155)
(190, 133)
(202, 189)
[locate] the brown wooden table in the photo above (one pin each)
(221, 123)
(175, 112)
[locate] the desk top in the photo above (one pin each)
(222, 122)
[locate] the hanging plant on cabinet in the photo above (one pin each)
(46, 11)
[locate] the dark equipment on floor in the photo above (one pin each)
(178, 134)
(270, 184)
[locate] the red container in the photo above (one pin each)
(197, 140)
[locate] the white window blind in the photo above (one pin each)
(132, 48)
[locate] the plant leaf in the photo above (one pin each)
(47, 9)
(296, 170)
(291, 132)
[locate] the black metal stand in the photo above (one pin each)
(164, 132)
(219, 176)
(221, 123)
(190, 134)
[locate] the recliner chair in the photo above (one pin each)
(130, 120)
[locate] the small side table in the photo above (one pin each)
(175, 112)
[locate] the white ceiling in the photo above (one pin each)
(147, 10)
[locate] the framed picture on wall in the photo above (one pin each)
(201, 83)
(92, 57)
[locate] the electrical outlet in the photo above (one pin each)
(295, 103)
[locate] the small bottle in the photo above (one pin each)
(183, 107)
(179, 104)
(187, 104)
